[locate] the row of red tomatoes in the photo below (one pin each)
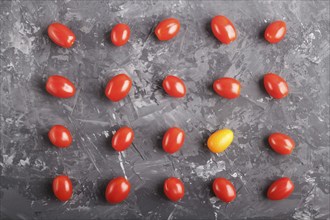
(173, 140)
(222, 28)
(120, 85)
(119, 188)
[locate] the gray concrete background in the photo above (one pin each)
(29, 162)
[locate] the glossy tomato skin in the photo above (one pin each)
(123, 138)
(60, 87)
(275, 32)
(173, 140)
(276, 86)
(281, 143)
(117, 190)
(224, 189)
(60, 136)
(61, 35)
(223, 29)
(120, 34)
(173, 189)
(167, 29)
(280, 189)
(174, 86)
(220, 140)
(228, 88)
(118, 87)
(62, 188)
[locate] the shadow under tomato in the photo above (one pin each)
(45, 34)
(159, 82)
(47, 188)
(152, 35)
(46, 140)
(204, 148)
(102, 95)
(159, 140)
(159, 85)
(50, 42)
(203, 141)
(160, 190)
(210, 88)
(265, 142)
(45, 31)
(262, 87)
(100, 193)
(106, 144)
(266, 186)
(208, 28)
(261, 33)
(108, 140)
(210, 186)
(107, 39)
(39, 85)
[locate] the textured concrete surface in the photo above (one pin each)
(29, 162)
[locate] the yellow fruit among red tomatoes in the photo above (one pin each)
(220, 140)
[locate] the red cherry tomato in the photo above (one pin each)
(167, 29)
(275, 32)
(276, 86)
(61, 35)
(117, 190)
(118, 87)
(173, 189)
(60, 87)
(122, 139)
(120, 34)
(224, 189)
(280, 189)
(223, 29)
(281, 143)
(174, 86)
(173, 140)
(62, 188)
(227, 87)
(60, 136)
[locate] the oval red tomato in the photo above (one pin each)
(60, 87)
(123, 138)
(280, 189)
(223, 29)
(60, 136)
(224, 189)
(227, 87)
(62, 188)
(174, 86)
(276, 86)
(173, 140)
(275, 32)
(167, 29)
(173, 189)
(120, 34)
(61, 35)
(281, 143)
(117, 190)
(118, 87)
